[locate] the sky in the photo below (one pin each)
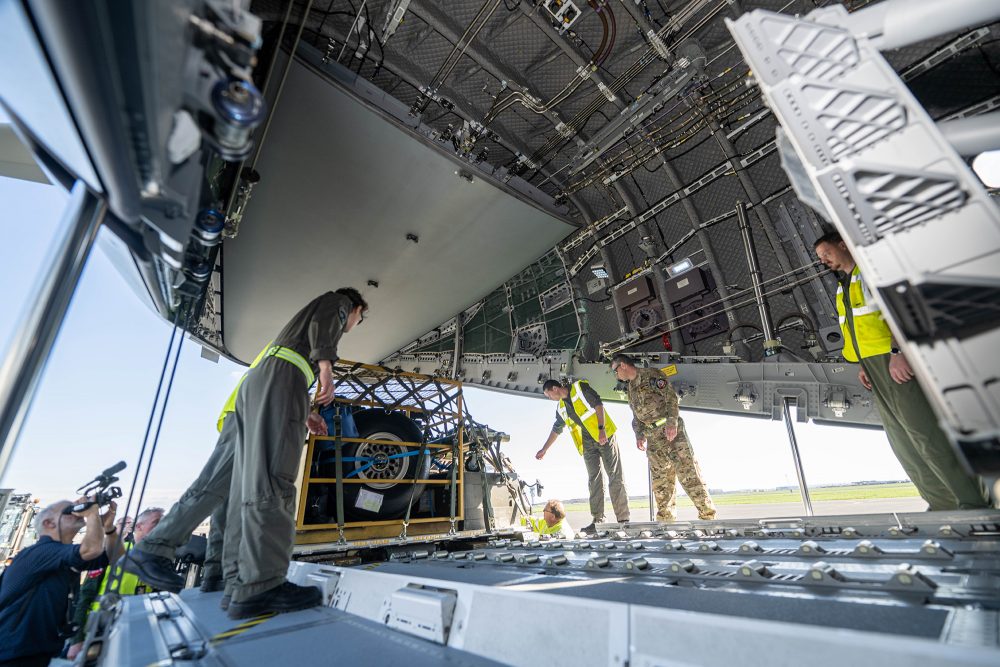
(94, 399)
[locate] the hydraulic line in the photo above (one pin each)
(605, 31)
(656, 125)
(607, 43)
(530, 104)
(656, 133)
(802, 316)
(459, 50)
(580, 119)
(647, 57)
(353, 25)
(660, 330)
(614, 33)
(635, 158)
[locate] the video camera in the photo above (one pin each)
(99, 489)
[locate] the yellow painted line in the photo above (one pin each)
(241, 628)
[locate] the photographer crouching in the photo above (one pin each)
(36, 588)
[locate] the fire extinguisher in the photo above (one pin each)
(666, 342)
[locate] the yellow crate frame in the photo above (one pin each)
(438, 400)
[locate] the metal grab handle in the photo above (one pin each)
(796, 457)
(454, 483)
(339, 464)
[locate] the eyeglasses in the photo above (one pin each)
(615, 367)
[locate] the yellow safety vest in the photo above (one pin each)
(129, 583)
(873, 334)
(587, 414)
(541, 527)
(286, 353)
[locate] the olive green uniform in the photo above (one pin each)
(206, 495)
(653, 399)
(909, 421)
(271, 410)
(919, 443)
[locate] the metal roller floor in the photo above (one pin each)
(905, 589)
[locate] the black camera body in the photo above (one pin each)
(99, 489)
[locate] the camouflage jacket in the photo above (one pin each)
(652, 398)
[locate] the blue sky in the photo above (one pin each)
(93, 402)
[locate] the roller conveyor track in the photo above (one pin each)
(894, 590)
(929, 566)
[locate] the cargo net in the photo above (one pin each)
(436, 402)
(397, 449)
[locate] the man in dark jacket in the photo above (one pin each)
(35, 589)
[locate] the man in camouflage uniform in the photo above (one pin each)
(657, 422)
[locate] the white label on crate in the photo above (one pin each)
(369, 500)
(632, 291)
(683, 283)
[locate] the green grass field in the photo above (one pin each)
(860, 492)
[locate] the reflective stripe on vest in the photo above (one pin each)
(542, 527)
(285, 353)
(870, 331)
(587, 414)
(129, 583)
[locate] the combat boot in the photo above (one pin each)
(154, 570)
(284, 598)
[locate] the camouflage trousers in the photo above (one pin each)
(671, 462)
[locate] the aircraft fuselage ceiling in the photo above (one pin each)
(523, 188)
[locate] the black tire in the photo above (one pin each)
(382, 496)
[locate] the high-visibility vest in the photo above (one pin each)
(870, 335)
(128, 584)
(542, 527)
(587, 414)
(286, 353)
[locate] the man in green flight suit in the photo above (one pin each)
(657, 421)
(153, 558)
(259, 451)
(909, 421)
